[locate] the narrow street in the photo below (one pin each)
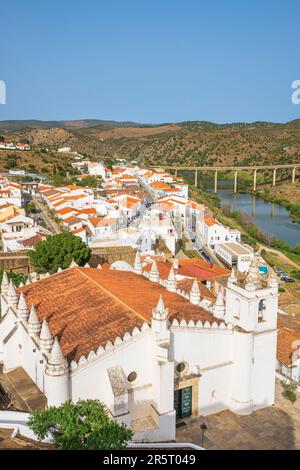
(45, 214)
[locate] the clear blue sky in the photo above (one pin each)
(150, 60)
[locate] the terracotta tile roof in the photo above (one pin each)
(162, 266)
(32, 241)
(42, 187)
(158, 185)
(57, 197)
(88, 210)
(204, 266)
(57, 204)
(51, 192)
(75, 197)
(73, 187)
(170, 190)
(13, 185)
(193, 267)
(102, 221)
(186, 285)
(65, 210)
(72, 220)
(87, 307)
(288, 341)
(210, 221)
(78, 230)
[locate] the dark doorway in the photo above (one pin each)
(183, 402)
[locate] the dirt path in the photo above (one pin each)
(280, 255)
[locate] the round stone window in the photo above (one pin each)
(181, 367)
(132, 377)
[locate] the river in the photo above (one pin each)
(272, 218)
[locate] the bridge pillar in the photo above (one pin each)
(254, 179)
(216, 181)
(293, 175)
(274, 177)
(235, 182)
(196, 178)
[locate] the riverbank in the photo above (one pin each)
(284, 193)
(287, 195)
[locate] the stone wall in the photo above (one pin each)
(16, 262)
(112, 254)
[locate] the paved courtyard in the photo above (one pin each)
(276, 427)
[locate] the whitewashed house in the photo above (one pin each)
(213, 232)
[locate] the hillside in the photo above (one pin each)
(193, 143)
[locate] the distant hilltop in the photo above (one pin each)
(189, 143)
(13, 125)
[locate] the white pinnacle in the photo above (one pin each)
(73, 264)
(232, 278)
(137, 259)
(219, 301)
(33, 318)
(175, 263)
(195, 287)
(45, 331)
(11, 289)
(5, 281)
(154, 268)
(219, 307)
(160, 307)
(171, 276)
(56, 356)
(22, 305)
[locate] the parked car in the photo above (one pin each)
(287, 279)
(205, 256)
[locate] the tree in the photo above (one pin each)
(16, 278)
(30, 207)
(289, 389)
(89, 181)
(296, 249)
(59, 251)
(81, 426)
(11, 161)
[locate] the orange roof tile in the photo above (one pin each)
(288, 340)
(102, 221)
(78, 230)
(210, 221)
(87, 307)
(205, 266)
(65, 210)
(158, 185)
(88, 210)
(187, 283)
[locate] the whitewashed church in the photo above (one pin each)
(151, 352)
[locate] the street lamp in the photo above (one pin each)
(203, 428)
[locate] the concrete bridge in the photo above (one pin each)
(236, 169)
